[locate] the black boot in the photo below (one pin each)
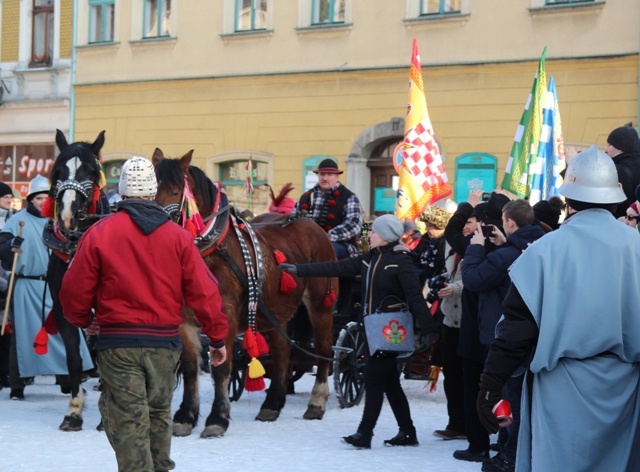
(402, 439)
(16, 394)
(359, 440)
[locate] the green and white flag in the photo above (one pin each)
(525, 144)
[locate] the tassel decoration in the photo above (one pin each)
(434, 374)
(92, 209)
(40, 342)
(329, 298)
(280, 257)
(190, 212)
(50, 325)
(261, 343)
(48, 208)
(254, 379)
(287, 282)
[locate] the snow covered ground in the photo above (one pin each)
(32, 442)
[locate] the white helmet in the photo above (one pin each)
(39, 184)
(138, 178)
(592, 178)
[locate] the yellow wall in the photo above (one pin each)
(10, 30)
(473, 109)
(66, 28)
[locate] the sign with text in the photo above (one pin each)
(474, 171)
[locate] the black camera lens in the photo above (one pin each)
(486, 196)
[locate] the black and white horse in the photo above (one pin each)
(75, 203)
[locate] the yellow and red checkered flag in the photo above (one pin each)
(423, 178)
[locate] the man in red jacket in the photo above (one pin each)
(136, 269)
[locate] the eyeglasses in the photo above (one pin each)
(632, 217)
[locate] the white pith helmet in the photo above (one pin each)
(138, 178)
(39, 184)
(592, 178)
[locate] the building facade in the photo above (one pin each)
(35, 85)
(291, 82)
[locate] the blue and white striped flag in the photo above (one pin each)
(544, 176)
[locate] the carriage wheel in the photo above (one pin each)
(348, 365)
(236, 378)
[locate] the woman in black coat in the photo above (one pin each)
(389, 277)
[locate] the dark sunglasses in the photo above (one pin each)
(633, 217)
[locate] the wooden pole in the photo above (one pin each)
(10, 289)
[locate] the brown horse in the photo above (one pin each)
(301, 241)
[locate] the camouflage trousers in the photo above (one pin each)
(135, 405)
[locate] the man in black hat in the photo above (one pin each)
(622, 147)
(335, 208)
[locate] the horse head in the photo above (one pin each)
(75, 180)
(172, 175)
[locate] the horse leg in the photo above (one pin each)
(71, 338)
(186, 417)
(322, 322)
(277, 392)
(218, 420)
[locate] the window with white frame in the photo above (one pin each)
(328, 12)
(323, 13)
(157, 19)
(439, 7)
(251, 15)
(42, 33)
(101, 21)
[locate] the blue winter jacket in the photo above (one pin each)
(488, 274)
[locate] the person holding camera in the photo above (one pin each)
(581, 405)
(462, 226)
(388, 277)
(488, 274)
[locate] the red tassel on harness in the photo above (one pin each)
(254, 379)
(48, 208)
(287, 282)
(261, 344)
(40, 342)
(280, 257)
(50, 325)
(95, 198)
(7, 328)
(329, 298)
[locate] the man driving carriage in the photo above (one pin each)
(335, 208)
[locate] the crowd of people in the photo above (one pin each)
(504, 291)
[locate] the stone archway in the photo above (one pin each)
(358, 174)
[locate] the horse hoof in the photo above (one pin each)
(313, 412)
(213, 431)
(71, 423)
(268, 415)
(182, 429)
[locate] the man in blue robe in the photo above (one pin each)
(572, 314)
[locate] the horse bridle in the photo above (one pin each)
(84, 188)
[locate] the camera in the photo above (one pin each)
(435, 284)
(487, 230)
(485, 196)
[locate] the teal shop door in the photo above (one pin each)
(474, 171)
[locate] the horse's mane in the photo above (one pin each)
(205, 188)
(170, 171)
(81, 150)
